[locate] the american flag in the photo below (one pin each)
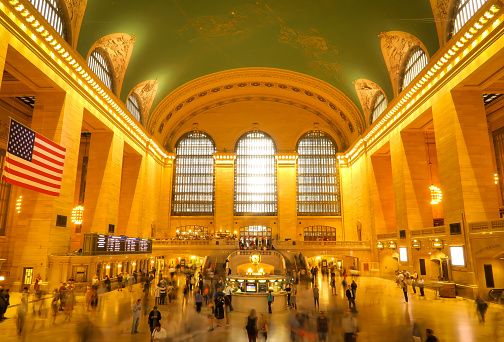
(33, 161)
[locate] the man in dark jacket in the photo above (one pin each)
(351, 298)
(154, 318)
(430, 336)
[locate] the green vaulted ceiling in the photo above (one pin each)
(334, 40)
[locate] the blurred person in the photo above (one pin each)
(169, 291)
(137, 311)
(421, 283)
(322, 327)
(404, 287)
(294, 326)
(351, 298)
(349, 326)
(146, 287)
(430, 336)
(198, 299)
(95, 283)
(288, 290)
(185, 293)
(162, 292)
(157, 294)
(414, 281)
(206, 293)
(131, 281)
(251, 326)
(262, 327)
(293, 298)
(211, 315)
(481, 309)
(94, 300)
(69, 304)
(158, 334)
(171, 328)
(333, 285)
(54, 305)
(108, 283)
(354, 287)
(227, 309)
(154, 318)
(219, 309)
(120, 282)
(62, 296)
(271, 299)
(22, 311)
(3, 304)
(87, 298)
(229, 294)
(316, 294)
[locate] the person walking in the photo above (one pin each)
(430, 336)
(170, 290)
(154, 318)
(251, 326)
(229, 294)
(322, 327)
(198, 299)
(316, 294)
(271, 299)
(349, 326)
(219, 309)
(293, 298)
(185, 293)
(414, 281)
(351, 298)
(157, 295)
(333, 285)
(119, 282)
(22, 311)
(131, 281)
(262, 327)
(421, 283)
(137, 311)
(404, 287)
(354, 287)
(108, 283)
(481, 308)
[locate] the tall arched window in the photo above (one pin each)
(318, 177)
(417, 60)
(379, 105)
(99, 63)
(319, 233)
(255, 175)
(53, 13)
(193, 180)
(133, 105)
(462, 12)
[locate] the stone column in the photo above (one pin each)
(224, 190)
(286, 164)
(464, 157)
(165, 201)
(382, 194)
(411, 182)
(101, 204)
(58, 117)
(130, 199)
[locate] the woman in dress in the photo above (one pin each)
(219, 309)
(252, 326)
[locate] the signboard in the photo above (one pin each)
(95, 244)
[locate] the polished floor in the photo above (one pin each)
(382, 315)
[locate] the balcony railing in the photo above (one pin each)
(487, 226)
(439, 230)
(324, 243)
(387, 236)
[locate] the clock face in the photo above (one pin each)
(255, 259)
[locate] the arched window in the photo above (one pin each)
(417, 60)
(193, 180)
(255, 175)
(379, 105)
(462, 12)
(319, 233)
(133, 105)
(53, 13)
(192, 231)
(100, 65)
(317, 179)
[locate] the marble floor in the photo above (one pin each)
(382, 316)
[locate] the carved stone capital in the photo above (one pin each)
(146, 92)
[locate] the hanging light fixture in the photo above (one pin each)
(436, 194)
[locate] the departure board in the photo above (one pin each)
(95, 244)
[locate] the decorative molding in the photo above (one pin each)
(257, 81)
(76, 10)
(395, 46)
(119, 47)
(146, 92)
(366, 91)
(337, 128)
(440, 9)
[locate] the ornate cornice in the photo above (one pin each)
(334, 124)
(191, 98)
(119, 47)
(395, 46)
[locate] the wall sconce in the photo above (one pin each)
(496, 178)
(119, 265)
(392, 245)
(134, 264)
(152, 261)
(436, 243)
(416, 244)
(380, 245)
(107, 267)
